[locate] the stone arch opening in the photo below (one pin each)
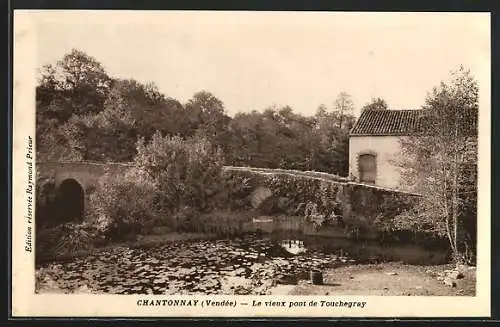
(71, 201)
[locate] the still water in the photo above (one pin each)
(293, 246)
(362, 251)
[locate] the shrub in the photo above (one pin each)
(66, 240)
(76, 238)
(122, 205)
(186, 172)
(186, 219)
(172, 183)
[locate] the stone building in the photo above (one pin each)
(374, 145)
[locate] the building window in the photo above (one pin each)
(367, 165)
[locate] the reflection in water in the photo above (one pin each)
(293, 246)
(366, 251)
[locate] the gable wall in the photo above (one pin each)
(386, 149)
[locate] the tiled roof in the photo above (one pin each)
(387, 122)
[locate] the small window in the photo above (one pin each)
(367, 168)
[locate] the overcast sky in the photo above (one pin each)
(251, 60)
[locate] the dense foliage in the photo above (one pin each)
(174, 182)
(85, 114)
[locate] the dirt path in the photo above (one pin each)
(393, 279)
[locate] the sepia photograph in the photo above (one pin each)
(296, 154)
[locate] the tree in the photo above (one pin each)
(329, 149)
(57, 141)
(293, 132)
(375, 104)
(321, 111)
(75, 87)
(150, 109)
(339, 148)
(207, 113)
(83, 114)
(186, 172)
(274, 138)
(343, 108)
(78, 84)
(440, 162)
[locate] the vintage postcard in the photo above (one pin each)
(251, 164)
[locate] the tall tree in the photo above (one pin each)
(245, 145)
(440, 162)
(206, 113)
(329, 151)
(375, 104)
(77, 84)
(343, 108)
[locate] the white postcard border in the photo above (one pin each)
(26, 303)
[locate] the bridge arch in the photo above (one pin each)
(74, 183)
(71, 200)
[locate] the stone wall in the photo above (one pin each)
(368, 207)
(374, 207)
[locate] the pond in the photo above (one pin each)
(241, 266)
(363, 251)
(250, 265)
(407, 247)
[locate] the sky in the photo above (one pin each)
(253, 60)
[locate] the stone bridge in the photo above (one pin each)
(86, 174)
(74, 181)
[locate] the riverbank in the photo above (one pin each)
(389, 279)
